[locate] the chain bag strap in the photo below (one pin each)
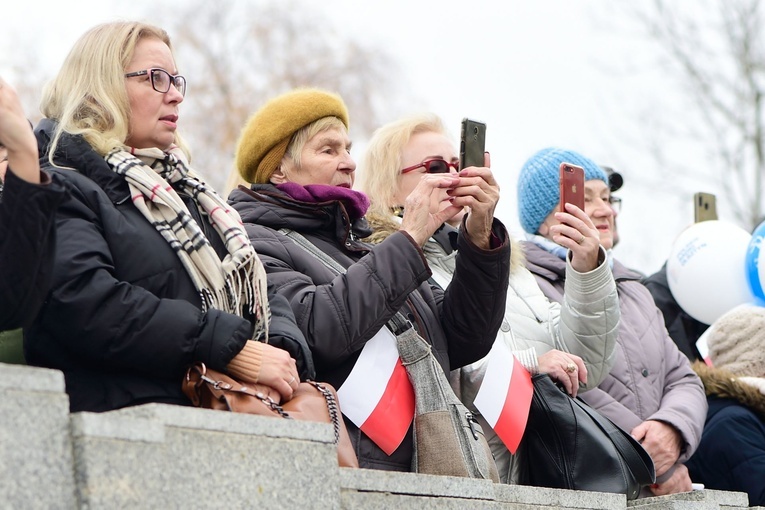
(311, 401)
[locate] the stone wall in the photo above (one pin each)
(159, 456)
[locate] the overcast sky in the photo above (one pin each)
(575, 74)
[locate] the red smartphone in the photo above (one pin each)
(571, 186)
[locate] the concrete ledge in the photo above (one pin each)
(108, 426)
(697, 499)
(161, 456)
(35, 441)
(558, 498)
(222, 421)
(370, 480)
(24, 378)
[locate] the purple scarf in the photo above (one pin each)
(355, 202)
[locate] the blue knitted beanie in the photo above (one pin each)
(539, 184)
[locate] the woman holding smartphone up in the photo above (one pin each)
(573, 343)
(651, 391)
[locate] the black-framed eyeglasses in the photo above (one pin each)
(161, 80)
(433, 166)
(615, 203)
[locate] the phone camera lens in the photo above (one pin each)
(475, 130)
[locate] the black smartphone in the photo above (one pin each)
(472, 143)
(704, 207)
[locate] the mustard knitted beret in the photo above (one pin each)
(264, 139)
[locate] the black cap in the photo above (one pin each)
(615, 179)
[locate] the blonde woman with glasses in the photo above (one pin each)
(153, 270)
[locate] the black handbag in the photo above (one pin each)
(569, 445)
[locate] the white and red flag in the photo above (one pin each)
(377, 396)
(505, 395)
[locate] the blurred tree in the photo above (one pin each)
(717, 51)
(23, 69)
(238, 54)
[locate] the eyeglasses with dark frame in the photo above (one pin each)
(616, 203)
(161, 80)
(433, 166)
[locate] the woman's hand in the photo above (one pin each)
(577, 233)
(680, 481)
(17, 136)
(662, 442)
(258, 362)
(479, 192)
(418, 221)
(279, 370)
(564, 368)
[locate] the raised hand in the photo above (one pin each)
(577, 232)
(479, 192)
(418, 221)
(17, 136)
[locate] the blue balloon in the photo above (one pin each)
(752, 262)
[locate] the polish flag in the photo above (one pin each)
(377, 396)
(505, 395)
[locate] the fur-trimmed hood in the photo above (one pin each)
(723, 384)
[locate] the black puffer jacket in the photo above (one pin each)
(123, 319)
(339, 313)
(27, 238)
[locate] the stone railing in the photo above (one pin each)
(159, 456)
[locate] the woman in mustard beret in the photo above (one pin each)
(296, 152)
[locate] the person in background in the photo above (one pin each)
(683, 329)
(731, 455)
(153, 271)
(573, 342)
(296, 151)
(27, 235)
(615, 182)
(652, 392)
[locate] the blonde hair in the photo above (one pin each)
(301, 137)
(381, 168)
(88, 97)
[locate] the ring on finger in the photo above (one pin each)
(291, 381)
(571, 368)
(581, 239)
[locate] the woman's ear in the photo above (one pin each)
(278, 176)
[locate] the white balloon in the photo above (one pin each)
(706, 269)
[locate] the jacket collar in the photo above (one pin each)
(553, 268)
(75, 153)
(266, 205)
(724, 384)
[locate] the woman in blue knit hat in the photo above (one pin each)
(651, 391)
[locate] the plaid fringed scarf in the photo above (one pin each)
(235, 285)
